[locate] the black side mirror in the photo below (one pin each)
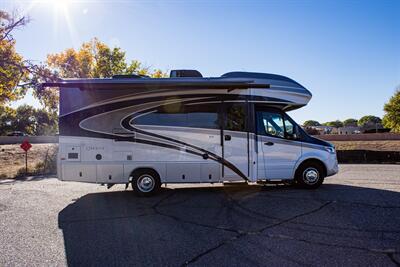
(297, 132)
(295, 135)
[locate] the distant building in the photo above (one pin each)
(349, 130)
(323, 129)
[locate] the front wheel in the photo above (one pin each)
(146, 183)
(310, 175)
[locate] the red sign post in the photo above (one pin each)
(26, 146)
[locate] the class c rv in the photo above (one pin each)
(187, 129)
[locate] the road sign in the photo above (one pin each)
(26, 145)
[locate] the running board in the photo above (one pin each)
(275, 182)
(235, 183)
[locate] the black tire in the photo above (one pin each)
(145, 182)
(310, 175)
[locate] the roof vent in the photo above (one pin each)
(185, 73)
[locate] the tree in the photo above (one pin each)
(311, 123)
(13, 68)
(391, 119)
(369, 120)
(29, 120)
(336, 123)
(350, 122)
(7, 117)
(46, 122)
(94, 59)
(18, 74)
(25, 119)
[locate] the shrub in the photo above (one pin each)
(47, 166)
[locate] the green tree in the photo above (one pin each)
(46, 122)
(7, 117)
(311, 123)
(350, 122)
(369, 120)
(336, 123)
(25, 120)
(391, 119)
(29, 120)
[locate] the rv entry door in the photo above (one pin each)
(235, 140)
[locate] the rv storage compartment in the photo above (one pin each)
(183, 172)
(110, 173)
(79, 172)
(210, 172)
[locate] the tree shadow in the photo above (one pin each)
(25, 178)
(178, 225)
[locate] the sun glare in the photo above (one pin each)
(58, 4)
(61, 14)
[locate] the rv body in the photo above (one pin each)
(186, 129)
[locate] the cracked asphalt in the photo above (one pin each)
(353, 219)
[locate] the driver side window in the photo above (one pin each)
(275, 124)
(270, 123)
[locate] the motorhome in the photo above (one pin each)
(143, 131)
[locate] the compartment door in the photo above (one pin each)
(79, 172)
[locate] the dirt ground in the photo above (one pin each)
(12, 158)
(389, 145)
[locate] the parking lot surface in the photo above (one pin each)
(353, 219)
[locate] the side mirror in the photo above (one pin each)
(297, 132)
(295, 135)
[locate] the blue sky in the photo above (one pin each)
(346, 53)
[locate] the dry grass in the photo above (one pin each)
(389, 145)
(12, 158)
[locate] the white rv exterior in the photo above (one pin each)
(187, 130)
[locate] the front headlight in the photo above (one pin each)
(330, 149)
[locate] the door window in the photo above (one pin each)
(290, 129)
(270, 123)
(235, 117)
(275, 124)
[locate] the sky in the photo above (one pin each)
(347, 53)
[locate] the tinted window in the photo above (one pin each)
(235, 117)
(191, 115)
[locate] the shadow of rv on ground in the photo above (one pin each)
(240, 225)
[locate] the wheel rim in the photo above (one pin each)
(311, 176)
(145, 183)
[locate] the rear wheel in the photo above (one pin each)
(310, 175)
(146, 182)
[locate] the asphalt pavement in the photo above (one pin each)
(353, 219)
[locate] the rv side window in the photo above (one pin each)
(182, 115)
(203, 115)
